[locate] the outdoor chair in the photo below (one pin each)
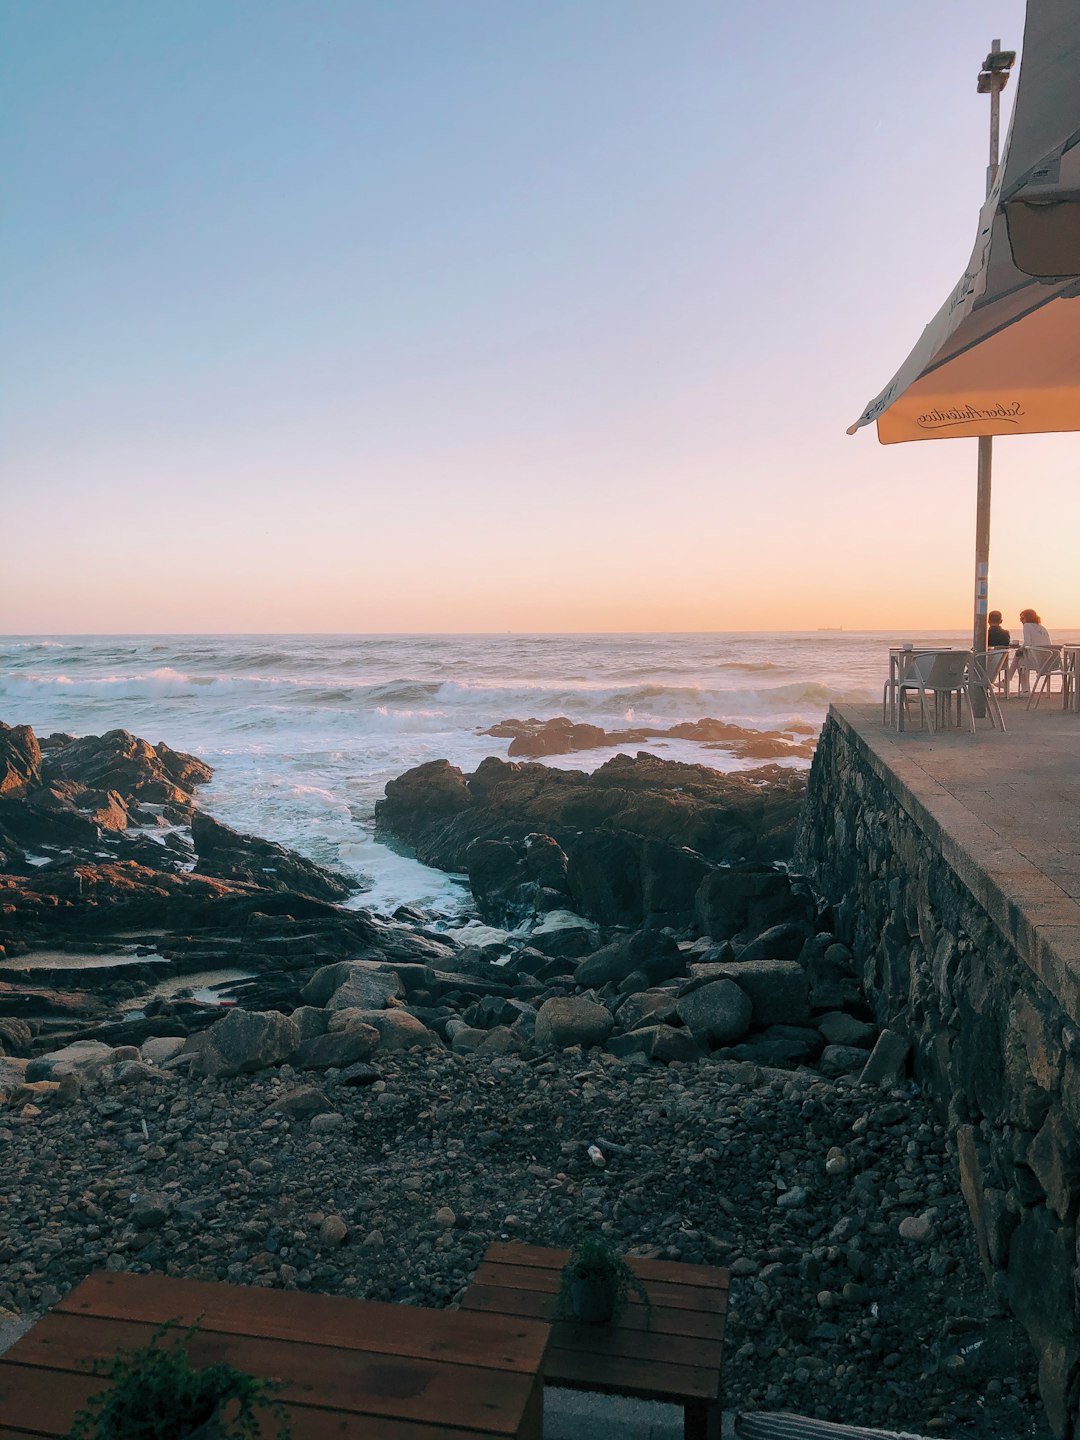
(779, 1425)
(944, 675)
(985, 671)
(997, 670)
(1045, 662)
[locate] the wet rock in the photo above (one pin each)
(227, 855)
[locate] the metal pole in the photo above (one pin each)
(986, 442)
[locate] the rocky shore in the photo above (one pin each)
(645, 975)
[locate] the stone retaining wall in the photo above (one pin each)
(989, 1011)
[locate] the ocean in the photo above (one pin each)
(304, 731)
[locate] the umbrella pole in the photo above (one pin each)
(982, 556)
(992, 80)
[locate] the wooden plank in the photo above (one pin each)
(602, 1341)
(490, 1401)
(495, 1300)
(675, 1272)
(294, 1315)
(676, 1383)
(676, 1297)
(38, 1403)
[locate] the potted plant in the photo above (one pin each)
(596, 1284)
(157, 1395)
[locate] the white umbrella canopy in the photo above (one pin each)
(1002, 355)
(1040, 190)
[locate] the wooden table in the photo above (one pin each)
(352, 1368)
(677, 1358)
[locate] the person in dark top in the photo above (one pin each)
(996, 636)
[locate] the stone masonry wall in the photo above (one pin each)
(996, 1048)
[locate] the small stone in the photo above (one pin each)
(445, 1216)
(320, 1124)
(333, 1232)
(916, 1227)
(792, 1199)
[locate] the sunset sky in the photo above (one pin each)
(380, 315)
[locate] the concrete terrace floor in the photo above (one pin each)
(1004, 809)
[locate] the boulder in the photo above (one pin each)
(671, 876)
(657, 1042)
(366, 987)
(781, 1045)
(159, 1048)
(750, 898)
(718, 1012)
(779, 942)
(120, 761)
(227, 855)
(301, 1103)
(14, 1036)
(426, 795)
(648, 1007)
(604, 877)
(246, 1040)
(397, 1029)
(357, 1041)
(841, 1060)
(310, 1020)
(888, 1059)
(545, 862)
(839, 1028)
(574, 1020)
(652, 952)
(20, 760)
(778, 989)
(563, 934)
(497, 872)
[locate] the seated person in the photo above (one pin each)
(1036, 636)
(996, 636)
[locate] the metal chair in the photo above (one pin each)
(780, 1425)
(986, 670)
(1045, 662)
(944, 674)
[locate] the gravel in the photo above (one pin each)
(856, 1291)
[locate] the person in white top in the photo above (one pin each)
(1036, 636)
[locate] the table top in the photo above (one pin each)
(351, 1368)
(676, 1357)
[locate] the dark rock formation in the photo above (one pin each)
(634, 839)
(228, 855)
(561, 736)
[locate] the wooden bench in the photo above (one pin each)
(677, 1358)
(351, 1368)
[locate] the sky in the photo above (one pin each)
(537, 315)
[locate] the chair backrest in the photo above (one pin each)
(1044, 659)
(993, 664)
(947, 670)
